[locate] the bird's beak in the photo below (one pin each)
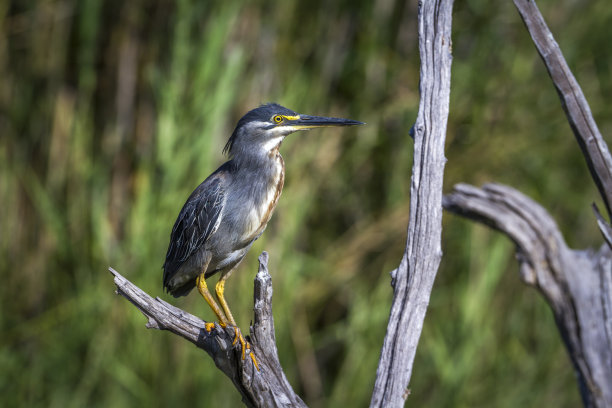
(303, 122)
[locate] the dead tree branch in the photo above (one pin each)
(576, 284)
(574, 103)
(267, 387)
(413, 279)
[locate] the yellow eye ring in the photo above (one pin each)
(277, 118)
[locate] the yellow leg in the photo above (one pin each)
(203, 288)
(220, 289)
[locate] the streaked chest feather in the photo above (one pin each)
(262, 211)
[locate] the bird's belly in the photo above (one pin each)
(227, 260)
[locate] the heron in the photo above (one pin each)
(231, 208)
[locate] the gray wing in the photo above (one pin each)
(196, 222)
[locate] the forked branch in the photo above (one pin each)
(576, 284)
(266, 387)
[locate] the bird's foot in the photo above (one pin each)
(209, 326)
(254, 360)
(245, 346)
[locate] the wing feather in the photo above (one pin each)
(197, 221)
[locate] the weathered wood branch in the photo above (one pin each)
(589, 290)
(574, 103)
(576, 284)
(413, 279)
(266, 387)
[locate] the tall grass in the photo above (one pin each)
(112, 112)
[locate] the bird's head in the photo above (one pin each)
(264, 128)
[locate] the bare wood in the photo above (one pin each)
(584, 302)
(574, 103)
(604, 226)
(576, 284)
(267, 387)
(413, 279)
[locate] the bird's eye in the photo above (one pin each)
(277, 118)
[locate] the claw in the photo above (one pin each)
(238, 335)
(244, 345)
(240, 338)
(254, 360)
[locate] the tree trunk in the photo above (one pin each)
(413, 279)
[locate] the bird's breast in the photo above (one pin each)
(263, 208)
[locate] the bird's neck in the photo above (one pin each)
(260, 163)
(259, 182)
(260, 174)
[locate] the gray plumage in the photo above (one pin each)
(229, 210)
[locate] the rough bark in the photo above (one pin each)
(574, 103)
(576, 284)
(413, 279)
(266, 387)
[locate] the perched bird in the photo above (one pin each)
(231, 208)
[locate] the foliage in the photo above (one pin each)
(112, 112)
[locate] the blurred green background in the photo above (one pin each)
(112, 112)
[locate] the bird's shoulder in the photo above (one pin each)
(209, 191)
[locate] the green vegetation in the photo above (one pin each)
(112, 112)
